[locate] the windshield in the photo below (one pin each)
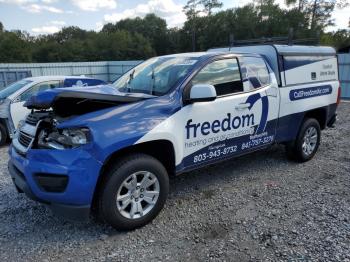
(9, 90)
(155, 76)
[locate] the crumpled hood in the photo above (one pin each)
(46, 99)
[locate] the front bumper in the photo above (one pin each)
(78, 165)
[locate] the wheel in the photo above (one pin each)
(134, 192)
(3, 135)
(307, 142)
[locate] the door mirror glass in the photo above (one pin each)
(202, 93)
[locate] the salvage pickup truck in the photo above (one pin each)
(109, 150)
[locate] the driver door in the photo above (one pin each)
(241, 119)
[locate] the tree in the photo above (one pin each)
(209, 5)
(13, 48)
(300, 3)
(68, 33)
(151, 27)
(319, 12)
(338, 39)
(141, 38)
(191, 10)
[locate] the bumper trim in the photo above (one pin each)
(68, 212)
(21, 183)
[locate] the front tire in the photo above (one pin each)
(307, 142)
(3, 135)
(133, 192)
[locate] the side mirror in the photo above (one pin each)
(202, 93)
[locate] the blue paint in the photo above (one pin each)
(288, 127)
(79, 164)
(265, 109)
(46, 99)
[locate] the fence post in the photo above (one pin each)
(290, 36)
(108, 72)
(232, 40)
(90, 70)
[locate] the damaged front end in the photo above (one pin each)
(40, 130)
(55, 138)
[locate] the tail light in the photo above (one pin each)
(339, 94)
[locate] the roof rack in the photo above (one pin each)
(288, 40)
(273, 40)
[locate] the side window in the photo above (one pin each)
(223, 74)
(255, 73)
(38, 88)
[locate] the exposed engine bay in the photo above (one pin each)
(39, 130)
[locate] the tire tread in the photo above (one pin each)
(108, 175)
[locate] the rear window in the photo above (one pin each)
(79, 82)
(255, 73)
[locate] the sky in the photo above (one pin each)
(49, 16)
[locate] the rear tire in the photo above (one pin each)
(3, 135)
(307, 142)
(133, 192)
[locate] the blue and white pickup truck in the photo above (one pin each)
(110, 149)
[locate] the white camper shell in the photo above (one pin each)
(295, 64)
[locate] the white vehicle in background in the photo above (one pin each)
(13, 97)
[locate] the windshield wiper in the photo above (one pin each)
(153, 81)
(131, 77)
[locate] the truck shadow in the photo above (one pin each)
(33, 222)
(7, 144)
(228, 170)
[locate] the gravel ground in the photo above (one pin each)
(260, 207)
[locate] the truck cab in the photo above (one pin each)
(113, 151)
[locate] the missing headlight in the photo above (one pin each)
(63, 138)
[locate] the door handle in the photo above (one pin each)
(16, 100)
(242, 106)
(272, 91)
